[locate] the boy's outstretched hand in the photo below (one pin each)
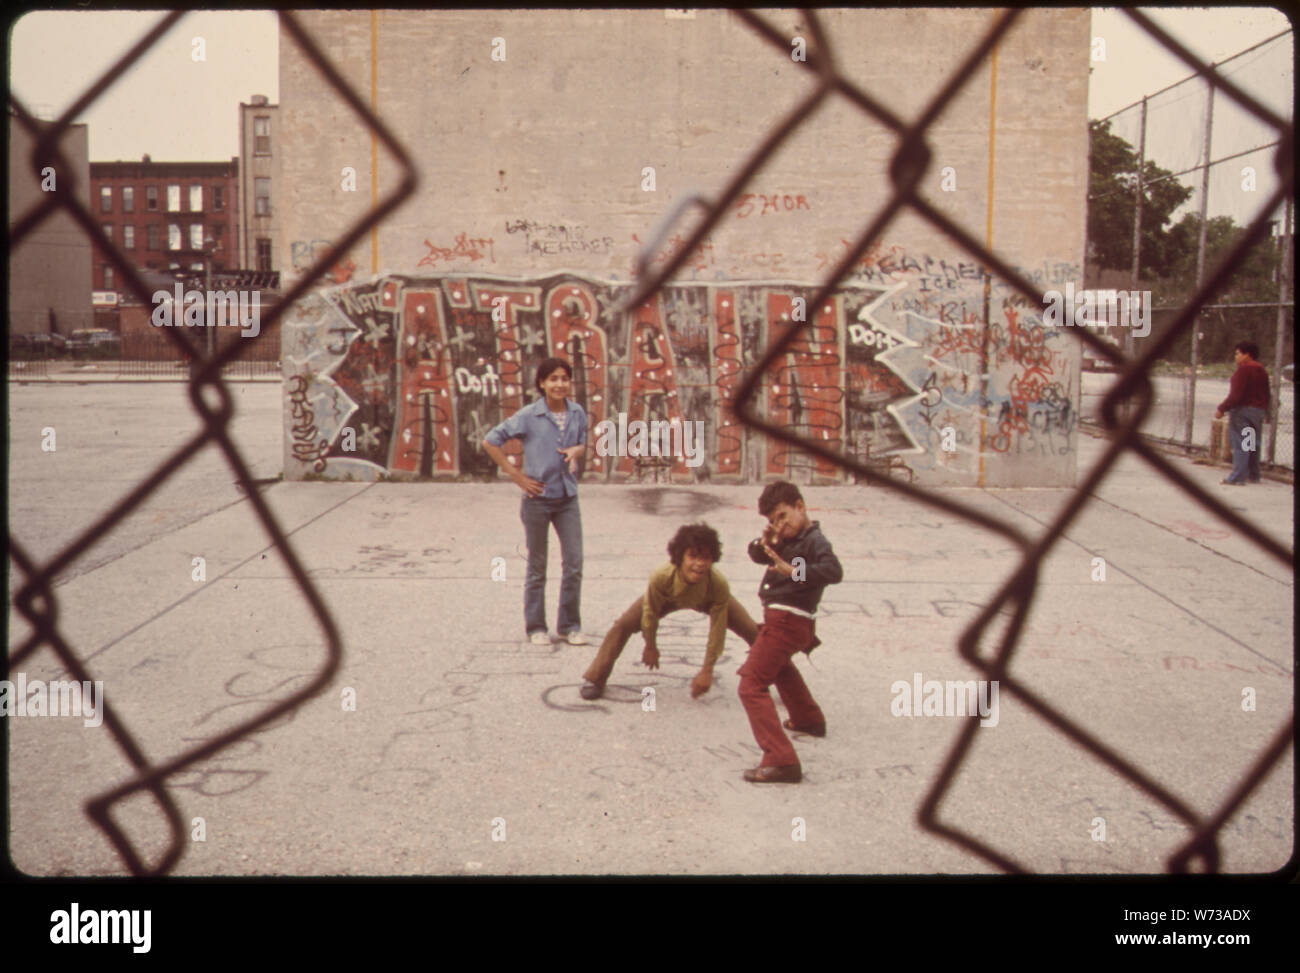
(779, 565)
(701, 683)
(650, 657)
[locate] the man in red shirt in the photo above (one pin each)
(1247, 408)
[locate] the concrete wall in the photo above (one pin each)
(50, 268)
(534, 180)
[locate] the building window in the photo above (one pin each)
(108, 230)
(174, 198)
(128, 236)
(106, 199)
(173, 236)
(108, 277)
(263, 254)
(128, 199)
(196, 236)
(196, 199)
(153, 237)
(261, 135)
(218, 197)
(151, 198)
(262, 196)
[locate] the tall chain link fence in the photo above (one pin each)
(1197, 141)
(132, 356)
(212, 403)
(37, 602)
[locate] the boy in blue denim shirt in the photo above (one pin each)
(553, 430)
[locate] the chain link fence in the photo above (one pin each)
(149, 355)
(1000, 621)
(1201, 148)
(1007, 611)
(35, 600)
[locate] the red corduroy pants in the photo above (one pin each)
(781, 635)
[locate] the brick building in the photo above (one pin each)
(259, 173)
(162, 214)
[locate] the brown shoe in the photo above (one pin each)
(790, 774)
(818, 730)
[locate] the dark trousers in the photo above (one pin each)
(781, 636)
(629, 623)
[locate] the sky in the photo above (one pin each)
(176, 107)
(170, 105)
(1137, 64)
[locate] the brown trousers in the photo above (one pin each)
(629, 623)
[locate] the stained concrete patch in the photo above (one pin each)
(672, 502)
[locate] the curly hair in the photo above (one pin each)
(778, 492)
(700, 538)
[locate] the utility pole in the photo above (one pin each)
(1200, 257)
(209, 247)
(1283, 296)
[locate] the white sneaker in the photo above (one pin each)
(576, 638)
(540, 638)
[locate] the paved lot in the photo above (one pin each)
(108, 437)
(462, 729)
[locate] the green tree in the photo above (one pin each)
(1253, 282)
(1112, 177)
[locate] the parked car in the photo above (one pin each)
(36, 344)
(99, 342)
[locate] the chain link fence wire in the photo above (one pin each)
(1134, 388)
(1220, 153)
(912, 160)
(36, 600)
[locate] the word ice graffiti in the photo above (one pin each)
(191, 309)
(105, 926)
(1098, 309)
(959, 700)
(53, 699)
(662, 438)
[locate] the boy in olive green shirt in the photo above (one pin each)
(688, 580)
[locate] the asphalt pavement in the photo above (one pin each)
(449, 745)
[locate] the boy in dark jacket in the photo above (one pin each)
(800, 564)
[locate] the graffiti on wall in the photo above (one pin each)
(407, 374)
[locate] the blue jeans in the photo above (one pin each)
(538, 513)
(1245, 462)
